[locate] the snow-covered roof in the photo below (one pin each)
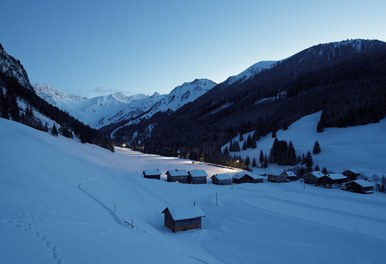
(177, 173)
(223, 176)
(180, 212)
(152, 172)
(336, 176)
(239, 175)
(353, 171)
(317, 174)
(290, 173)
(198, 173)
(364, 183)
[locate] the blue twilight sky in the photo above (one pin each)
(95, 47)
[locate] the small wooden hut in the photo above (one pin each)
(152, 174)
(277, 178)
(313, 177)
(351, 174)
(177, 176)
(290, 175)
(245, 176)
(197, 176)
(360, 186)
(181, 218)
(222, 179)
(332, 180)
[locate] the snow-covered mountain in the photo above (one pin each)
(101, 110)
(250, 71)
(181, 95)
(104, 110)
(12, 68)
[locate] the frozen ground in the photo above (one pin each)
(58, 197)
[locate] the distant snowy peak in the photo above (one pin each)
(183, 94)
(251, 71)
(13, 68)
(56, 97)
(97, 111)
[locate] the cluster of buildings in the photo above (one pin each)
(180, 218)
(347, 180)
(200, 177)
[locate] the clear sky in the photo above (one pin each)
(95, 47)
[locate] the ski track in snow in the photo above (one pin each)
(25, 223)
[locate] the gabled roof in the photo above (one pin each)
(353, 171)
(222, 176)
(180, 212)
(177, 173)
(198, 173)
(241, 174)
(290, 173)
(364, 183)
(317, 174)
(152, 172)
(336, 176)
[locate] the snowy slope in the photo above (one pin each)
(98, 111)
(250, 71)
(361, 147)
(57, 200)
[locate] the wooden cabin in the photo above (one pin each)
(244, 176)
(152, 174)
(222, 179)
(332, 180)
(290, 175)
(351, 174)
(180, 176)
(360, 186)
(277, 178)
(197, 176)
(181, 218)
(313, 177)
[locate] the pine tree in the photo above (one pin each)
(324, 170)
(291, 156)
(309, 161)
(320, 127)
(54, 131)
(247, 160)
(241, 138)
(265, 165)
(316, 149)
(261, 158)
(254, 163)
(245, 147)
(316, 168)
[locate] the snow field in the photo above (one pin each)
(57, 200)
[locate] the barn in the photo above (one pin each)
(351, 174)
(360, 186)
(332, 180)
(222, 179)
(152, 174)
(197, 176)
(244, 176)
(177, 176)
(313, 177)
(277, 178)
(290, 175)
(181, 218)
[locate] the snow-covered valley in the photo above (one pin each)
(58, 197)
